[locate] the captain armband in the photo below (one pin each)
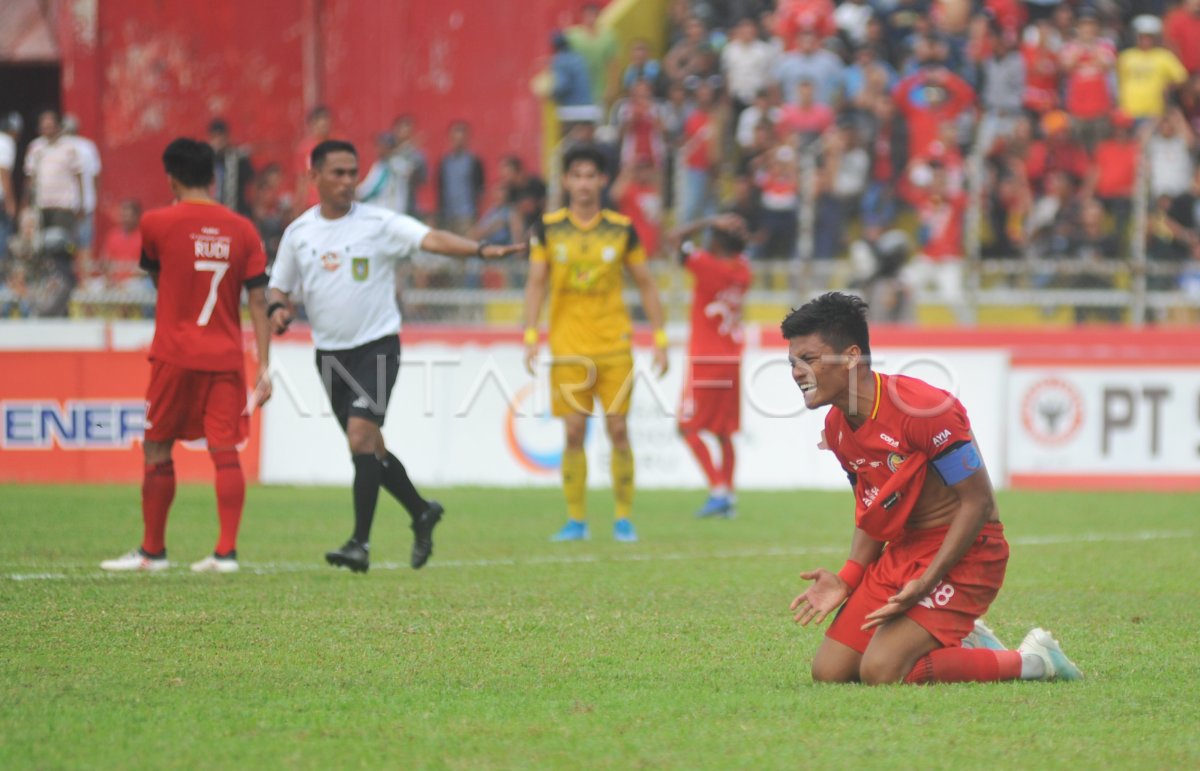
(958, 462)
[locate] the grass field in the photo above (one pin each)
(508, 651)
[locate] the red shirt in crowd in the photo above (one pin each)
(642, 204)
(795, 15)
(1062, 155)
(925, 117)
(697, 132)
(1088, 67)
(794, 119)
(121, 251)
(941, 219)
(204, 254)
(1041, 78)
(721, 285)
(1182, 33)
(1116, 168)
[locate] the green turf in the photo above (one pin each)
(512, 652)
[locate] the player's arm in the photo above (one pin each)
(257, 297)
(285, 279)
(451, 245)
(536, 285)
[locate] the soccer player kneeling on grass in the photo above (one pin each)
(922, 491)
(341, 257)
(200, 256)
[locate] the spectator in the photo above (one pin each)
(867, 77)
(1092, 246)
(640, 123)
(806, 119)
(638, 194)
(889, 156)
(1183, 34)
(1052, 221)
(1113, 173)
(1088, 62)
(1058, 152)
(10, 129)
(1146, 73)
(232, 171)
(598, 47)
(1169, 157)
(815, 16)
(460, 182)
(408, 162)
(852, 18)
(524, 193)
(572, 89)
(1002, 92)
(940, 260)
(759, 110)
(692, 56)
(318, 127)
(1169, 245)
(757, 156)
(927, 99)
(381, 186)
(812, 63)
(746, 63)
(642, 67)
(702, 155)
(745, 202)
(1041, 68)
(844, 180)
(55, 170)
(271, 207)
(85, 225)
(780, 203)
(122, 249)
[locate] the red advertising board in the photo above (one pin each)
(78, 416)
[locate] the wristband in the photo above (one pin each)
(531, 336)
(274, 307)
(852, 573)
(479, 251)
(660, 338)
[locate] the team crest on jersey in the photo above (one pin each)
(360, 268)
(331, 261)
(560, 253)
(609, 254)
(894, 460)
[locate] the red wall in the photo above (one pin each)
(139, 73)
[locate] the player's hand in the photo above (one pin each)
(660, 361)
(531, 355)
(898, 604)
(280, 320)
(496, 251)
(262, 389)
(826, 595)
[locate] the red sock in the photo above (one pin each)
(158, 490)
(965, 665)
(727, 460)
(231, 497)
(700, 450)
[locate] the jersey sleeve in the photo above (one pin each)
(256, 259)
(149, 261)
(634, 253)
(285, 271)
(944, 436)
(537, 242)
(404, 235)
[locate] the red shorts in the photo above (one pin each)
(190, 404)
(712, 397)
(950, 610)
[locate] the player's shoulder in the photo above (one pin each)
(909, 393)
(616, 218)
(306, 220)
(370, 213)
(555, 217)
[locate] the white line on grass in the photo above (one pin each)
(275, 568)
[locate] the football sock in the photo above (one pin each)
(574, 482)
(367, 473)
(965, 665)
(700, 450)
(394, 479)
(158, 490)
(622, 480)
(231, 498)
(1032, 667)
(728, 458)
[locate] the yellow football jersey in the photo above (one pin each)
(588, 317)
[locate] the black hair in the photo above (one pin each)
(839, 319)
(514, 162)
(320, 111)
(189, 162)
(587, 154)
(218, 126)
(330, 146)
(726, 242)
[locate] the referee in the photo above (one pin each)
(340, 256)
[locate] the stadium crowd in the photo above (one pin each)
(830, 128)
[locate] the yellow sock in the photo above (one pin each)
(622, 476)
(574, 482)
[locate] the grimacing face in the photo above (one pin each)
(822, 374)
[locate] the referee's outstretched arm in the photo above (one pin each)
(451, 245)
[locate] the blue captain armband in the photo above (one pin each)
(957, 462)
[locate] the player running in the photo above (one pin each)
(712, 392)
(928, 554)
(200, 256)
(577, 255)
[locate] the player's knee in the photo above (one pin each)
(824, 671)
(363, 437)
(877, 670)
(618, 432)
(156, 452)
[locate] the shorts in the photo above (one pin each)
(190, 404)
(576, 382)
(359, 381)
(712, 396)
(950, 610)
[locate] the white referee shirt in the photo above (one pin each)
(345, 269)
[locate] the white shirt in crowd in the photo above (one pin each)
(747, 67)
(89, 159)
(345, 271)
(56, 168)
(8, 157)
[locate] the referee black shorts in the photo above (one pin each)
(359, 381)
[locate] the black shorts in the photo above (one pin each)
(359, 381)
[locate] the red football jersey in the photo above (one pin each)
(888, 456)
(204, 254)
(717, 303)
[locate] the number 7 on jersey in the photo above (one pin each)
(218, 269)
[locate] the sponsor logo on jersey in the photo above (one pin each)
(560, 253)
(360, 267)
(891, 442)
(894, 461)
(331, 261)
(609, 254)
(941, 438)
(868, 496)
(855, 464)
